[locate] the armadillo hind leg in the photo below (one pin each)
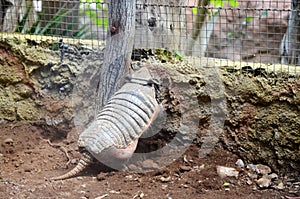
(84, 162)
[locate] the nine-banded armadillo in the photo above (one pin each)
(112, 138)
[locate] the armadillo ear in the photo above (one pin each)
(127, 78)
(143, 77)
(143, 74)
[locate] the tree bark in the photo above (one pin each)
(262, 111)
(118, 49)
(290, 45)
(9, 14)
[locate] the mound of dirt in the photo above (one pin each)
(47, 99)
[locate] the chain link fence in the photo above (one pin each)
(238, 34)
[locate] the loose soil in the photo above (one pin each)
(37, 139)
(29, 160)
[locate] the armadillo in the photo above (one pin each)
(114, 134)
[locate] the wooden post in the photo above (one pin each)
(118, 49)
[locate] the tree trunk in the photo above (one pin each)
(262, 114)
(118, 49)
(290, 45)
(200, 18)
(9, 14)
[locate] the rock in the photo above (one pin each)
(132, 167)
(280, 186)
(28, 169)
(8, 141)
(227, 172)
(263, 169)
(273, 176)
(240, 163)
(263, 182)
(165, 179)
(101, 197)
(150, 164)
(164, 186)
(251, 167)
(101, 176)
(74, 161)
(184, 168)
(249, 182)
(252, 176)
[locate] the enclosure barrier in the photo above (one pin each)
(244, 36)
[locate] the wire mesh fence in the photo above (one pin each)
(238, 33)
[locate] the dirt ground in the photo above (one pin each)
(34, 150)
(29, 160)
(37, 141)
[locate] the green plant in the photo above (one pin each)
(220, 3)
(53, 26)
(92, 14)
(217, 4)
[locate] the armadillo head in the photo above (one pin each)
(143, 76)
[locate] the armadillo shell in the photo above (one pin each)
(126, 116)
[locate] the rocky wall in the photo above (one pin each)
(256, 115)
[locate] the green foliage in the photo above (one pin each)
(218, 3)
(166, 56)
(93, 15)
(248, 19)
(53, 26)
(21, 24)
(195, 10)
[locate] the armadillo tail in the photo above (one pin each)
(85, 161)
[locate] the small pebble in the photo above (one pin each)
(251, 167)
(249, 182)
(263, 182)
(273, 176)
(73, 161)
(8, 141)
(184, 168)
(263, 169)
(280, 186)
(240, 163)
(101, 176)
(101, 197)
(27, 169)
(164, 186)
(114, 191)
(133, 167)
(227, 172)
(150, 164)
(167, 179)
(252, 176)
